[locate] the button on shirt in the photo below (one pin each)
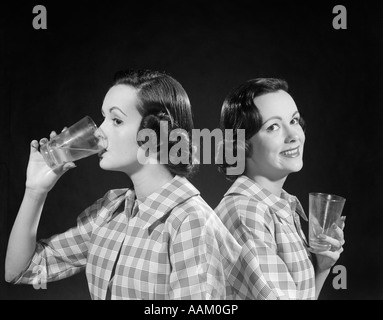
(172, 247)
(274, 247)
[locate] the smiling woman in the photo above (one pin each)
(263, 217)
(277, 148)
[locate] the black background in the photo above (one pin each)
(51, 78)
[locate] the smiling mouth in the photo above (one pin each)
(292, 153)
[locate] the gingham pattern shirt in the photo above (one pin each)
(173, 247)
(274, 252)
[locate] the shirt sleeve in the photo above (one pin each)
(62, 255)
(197, 270)
(261, 266)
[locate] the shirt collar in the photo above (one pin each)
(282, 206)
(163, 200)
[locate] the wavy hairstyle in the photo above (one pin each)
(240, 112)
(162, 98)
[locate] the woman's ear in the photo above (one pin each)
(147, 155)
(153, 127)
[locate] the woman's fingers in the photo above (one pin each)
(335, 243)
(69, 165)
(51, 136)
(61, 169)
(339, 235)
(43, 141)
(341, 222)
(34, 146)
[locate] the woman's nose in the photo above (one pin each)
(291, 136)
(99, 133)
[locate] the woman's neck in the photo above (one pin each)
(274, 186)
(150, 178)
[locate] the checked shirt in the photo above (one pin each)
(171, 245)
(274, 248)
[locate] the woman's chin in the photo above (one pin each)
(104, 165)
(291, 168)
(296, 168)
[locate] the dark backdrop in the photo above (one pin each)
(50, 78)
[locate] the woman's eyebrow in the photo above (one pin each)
(279, 118)
(117, 108)
(275, 117)
(111, 109)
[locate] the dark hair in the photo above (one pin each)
(240, 112)
(161, 98)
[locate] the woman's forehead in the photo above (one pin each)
(122, 96)
(278, 103)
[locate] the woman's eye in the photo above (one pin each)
(295, 121)
(116, 121)
(273, 127)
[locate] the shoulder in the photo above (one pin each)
(196, 221)
(193, 209)
(244, 208)
(196, 217)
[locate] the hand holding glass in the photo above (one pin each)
(324, 212)
(79, 141)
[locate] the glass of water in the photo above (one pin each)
(79, 141)
(324, 211)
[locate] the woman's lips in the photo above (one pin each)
(291, 153)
